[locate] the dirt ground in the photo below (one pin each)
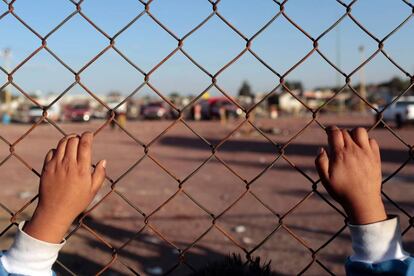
(214, 187)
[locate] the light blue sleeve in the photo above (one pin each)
(392, 267)
(3, 272)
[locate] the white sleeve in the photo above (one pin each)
(377, 242)
(30, 256)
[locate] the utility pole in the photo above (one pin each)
(362, 88)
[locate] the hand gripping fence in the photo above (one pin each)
(181, 183)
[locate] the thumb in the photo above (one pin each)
(98, 176)
(322, 165)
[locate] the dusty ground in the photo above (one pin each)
(214, 187)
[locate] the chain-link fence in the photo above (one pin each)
(277, 220)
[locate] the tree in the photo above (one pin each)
(294, 85)
(397, 85)
(273, 99)
(245, 90)
(174, 95)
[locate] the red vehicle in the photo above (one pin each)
(156, 110)
(217, 103)
(80, 112)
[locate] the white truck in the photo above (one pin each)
(401, 112)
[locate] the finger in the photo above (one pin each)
(375, 147)
(48, 158)
(348, 141)
(322, 165)
(71, 151)
(98, 176)
(335, 139)
(85, 149)
(61, 148)
(360, 137)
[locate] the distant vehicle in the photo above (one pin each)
(100, 113)
(401, 112)
(215, 104)
(54, 113)
(27, 114)
(155, 110)
(32, 113)
(133, 111)
(121, 108)
(80, 112)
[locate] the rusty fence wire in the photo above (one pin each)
(214, 76)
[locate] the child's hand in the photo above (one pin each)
(351, 173)
(67, 187)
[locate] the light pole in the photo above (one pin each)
(6, 55)
(362, 88)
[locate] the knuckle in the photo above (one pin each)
(338, 153)
(66, 164)
(84, 143)
(84, 170)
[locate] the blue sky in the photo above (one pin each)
(145, 43)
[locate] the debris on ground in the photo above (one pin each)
(239, 229)
(247, 240)
(25, 195)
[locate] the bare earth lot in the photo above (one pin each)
(214, 187)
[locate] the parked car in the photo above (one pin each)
(79, 112)
(27, 113)
(230, 110)
(210, 109)
(401, 112)
(155, 110)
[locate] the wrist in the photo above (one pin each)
(366, 212)
(47, 227)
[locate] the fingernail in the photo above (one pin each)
(104, 164)
(72, 135)
(320, 151)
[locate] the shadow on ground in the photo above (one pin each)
(310, 150)
(161, 256)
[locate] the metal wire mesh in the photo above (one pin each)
(215, 148)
